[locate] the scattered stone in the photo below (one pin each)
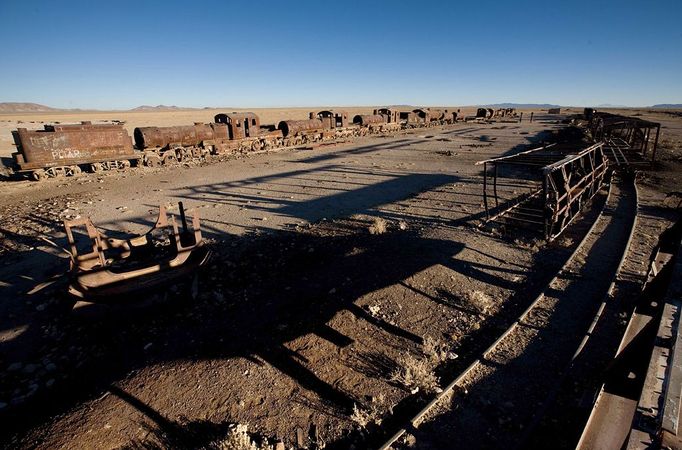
(15, 366)
(30, 368)
(148, 346)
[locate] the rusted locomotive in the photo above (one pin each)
(64, 150)
(60, 150)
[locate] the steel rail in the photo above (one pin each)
(416, 419)
(590, 330)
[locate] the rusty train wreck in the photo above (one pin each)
(115, 270)
(64, 150)
(555, 184)
(628, 141)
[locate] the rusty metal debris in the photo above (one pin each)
(551, 186)
(109, 270)
(628, 141)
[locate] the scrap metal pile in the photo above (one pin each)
(109, 270)
(555, 184)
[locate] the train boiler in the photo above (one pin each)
(167, 145)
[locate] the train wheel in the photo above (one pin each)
(39, 175)
(125, 164)
(96, 167)
(169, 158)
(256, 146)
(152, 160)
(183, 154)
(70, 171)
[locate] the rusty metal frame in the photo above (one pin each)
(114, 269)
(561, 184)
(629, 140)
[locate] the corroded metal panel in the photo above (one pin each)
(62, 145)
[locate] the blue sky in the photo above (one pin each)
(121, 54)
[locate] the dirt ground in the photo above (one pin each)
(335, 269)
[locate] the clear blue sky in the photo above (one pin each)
(121, 54)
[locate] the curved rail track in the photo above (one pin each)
(523, 364)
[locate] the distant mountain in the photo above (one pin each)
(610, 105)
(522, 105)
(158, 108)
(669, 105)
(14, 107)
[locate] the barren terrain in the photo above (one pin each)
(348, 282)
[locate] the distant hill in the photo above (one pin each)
(669, 105)
(14, 107)
(522, 105)
(159, 108)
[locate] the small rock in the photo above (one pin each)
(49, 382)
(148, 346)
(30, 368)
(332, 291)
(15, 366)
(3, 405)
(51, 367)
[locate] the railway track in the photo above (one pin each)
(498, 395)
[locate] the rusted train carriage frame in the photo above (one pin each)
(565, 184)
(625, 135)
